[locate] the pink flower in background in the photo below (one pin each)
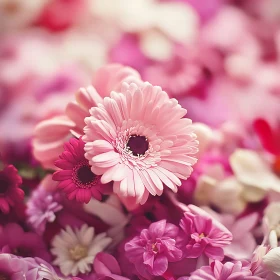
(76, 178)
(202, 236)
(10, 193)
(51, 134)
(106, 265)
(220, 271)
(42, 207)
(12, 267)
(154, 248)
(178, 75)
(53, 17)
(14, 240)
(139, 139)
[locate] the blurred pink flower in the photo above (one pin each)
(51, 134)
(154, 248)
(203, 236)
(106, 265)
(130, 140)
(42, 207)
(178, 75)
(75, 177)
(52, 16)
(14, 240)
(10, 192)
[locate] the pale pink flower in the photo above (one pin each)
(106, 265)
(51, 134)
(154, 248)
(227, 271)
(139, 139)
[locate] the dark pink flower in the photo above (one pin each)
(76, 178)
(154, 248)
(10, 193)
(204, 236)
(13, 240)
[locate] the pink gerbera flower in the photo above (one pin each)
(139, 139)
(76, 178)
(10, 193)
(227, 271)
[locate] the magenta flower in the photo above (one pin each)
(76, 179)
(203, 236)
(139, 139)
(13, 240)
(10, 193)
(42, 207)
(227, 271)
(12, 268)
(154, 248)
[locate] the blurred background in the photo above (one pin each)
(219, 58)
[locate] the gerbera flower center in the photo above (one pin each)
(137, 144)
(83, 176)
(78, 252)
(4, 277)
(4, 185)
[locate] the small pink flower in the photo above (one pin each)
(139, 139)
(203, 236)
(76, 178)
(154, 248)
(10, 193)
(227, 271)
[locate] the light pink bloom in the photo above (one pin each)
(227, 271)
(154, 248)
(76, 179)
(204, 236)
(106, 265)
(139, 139)
(243, 243)
(51, 134)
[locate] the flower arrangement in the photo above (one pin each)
(139, 140)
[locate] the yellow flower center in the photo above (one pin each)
(78, 252)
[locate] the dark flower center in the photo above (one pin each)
(4, 184)
(85, 175)
(4, 277)
(138, 145)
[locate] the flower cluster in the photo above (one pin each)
(139, 140)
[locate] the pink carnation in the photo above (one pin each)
(203, 236)
(154, 248)
(139, 139)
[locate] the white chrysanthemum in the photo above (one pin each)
(76, 249)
